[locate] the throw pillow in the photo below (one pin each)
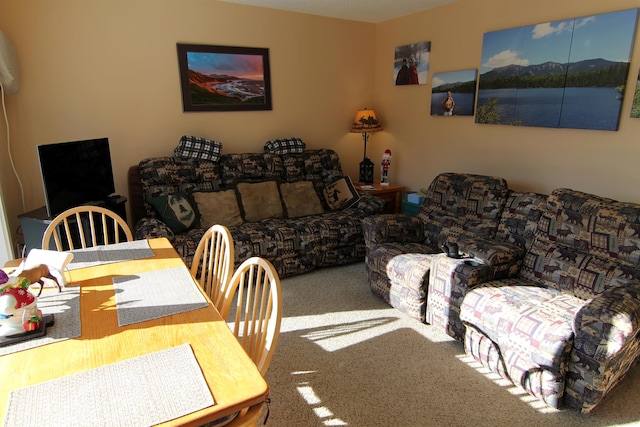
(300, 199)
(340, 194)
(175, 210)
(260, 200)
(219, 207)
(198, 148)
(285, 146)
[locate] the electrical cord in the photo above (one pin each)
(13, 166)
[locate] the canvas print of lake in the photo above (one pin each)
(635, 108)
(563, 74)
(453, 93)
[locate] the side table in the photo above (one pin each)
(391, 194)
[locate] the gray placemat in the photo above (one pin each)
(142, 391)
(156, 294)
(109, 254)
(65, 307)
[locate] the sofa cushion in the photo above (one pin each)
(175, 210)
(198, 148)
(340, 194)
(300, 199)
(584, 244)
(458, 203)
(260, 200)
(284, 146)
(241, 167)
(218, 207)
(520, 217)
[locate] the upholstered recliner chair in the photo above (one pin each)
(400, 247)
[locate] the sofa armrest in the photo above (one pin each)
(604, 324)
(605, 346)
(149, 228)
(392, 228)
(368, 204)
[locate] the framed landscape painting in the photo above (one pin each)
(453, 93)
(563, 74)
(411, 64)
(224, 78)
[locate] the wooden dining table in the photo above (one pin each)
(232, 377)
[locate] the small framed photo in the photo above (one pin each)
(224, 78)
(453, 93)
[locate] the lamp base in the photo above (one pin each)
(366, 171)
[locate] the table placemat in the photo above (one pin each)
(156, 294)
(65, 307)
(141, 391)
(108, 254)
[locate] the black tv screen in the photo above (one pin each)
(75, 173)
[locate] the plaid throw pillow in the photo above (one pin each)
(284, 146)
(199, 148)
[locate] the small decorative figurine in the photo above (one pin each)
(386, 162)
(18, 306)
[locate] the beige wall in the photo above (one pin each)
(537, 159)
(109, 68)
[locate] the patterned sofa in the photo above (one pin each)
(565, 326)
(551, 302)
(293, 244)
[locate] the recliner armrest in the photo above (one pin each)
(490, 251)
(609, 320)
(397, 228)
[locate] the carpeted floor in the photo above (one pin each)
(345, 358)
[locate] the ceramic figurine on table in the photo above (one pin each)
(18, 306)
(386, 162)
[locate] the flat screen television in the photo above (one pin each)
(75, 173)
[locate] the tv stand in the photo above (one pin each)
(35, 222)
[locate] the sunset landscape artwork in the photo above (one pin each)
(223, 78)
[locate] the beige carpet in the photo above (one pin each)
(345, 358)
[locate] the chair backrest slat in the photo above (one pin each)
(73, 226)
(255, 294)
(212, 264)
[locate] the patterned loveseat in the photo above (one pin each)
(400, 247)
(552, 301)
(293, 244)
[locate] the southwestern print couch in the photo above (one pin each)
(551, 302)
(273, 203)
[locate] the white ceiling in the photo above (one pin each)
(374, 11)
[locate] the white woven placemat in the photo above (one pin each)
(65, 307)
(141, 391)
(156, 294)
(117, 252)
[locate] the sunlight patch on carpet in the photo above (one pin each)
(322, 412)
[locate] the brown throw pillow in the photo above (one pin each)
(300, 199)
(340, 194)
(219, 207)
(260, 200)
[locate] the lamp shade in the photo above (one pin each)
(366, 122)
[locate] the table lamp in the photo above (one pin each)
(365, 123)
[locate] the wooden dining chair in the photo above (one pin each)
(85, 227)
(212, 264)
(253, 308)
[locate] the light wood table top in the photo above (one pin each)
(233, 378)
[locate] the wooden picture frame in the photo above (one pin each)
(224, 78)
